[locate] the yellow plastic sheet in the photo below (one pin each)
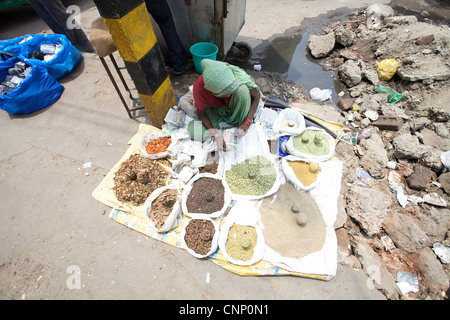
(173, 238)
(134, 217)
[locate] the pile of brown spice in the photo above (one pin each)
(199, 235)
(138, 177)
(162, 207)
(210, 168)
(207, 196)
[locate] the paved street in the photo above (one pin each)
(57, 242)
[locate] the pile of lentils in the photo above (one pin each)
(254, 176)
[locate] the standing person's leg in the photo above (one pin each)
(160, 11)
(55, 16)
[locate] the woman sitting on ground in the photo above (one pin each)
(225, 96)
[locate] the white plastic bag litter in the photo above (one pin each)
(407, 282)
(282, 124)
(258, 250)
(319, 94)
(214, 242)
(310, 157)
(174, 217)
(187, 190)
(445, 159)
(145, 138)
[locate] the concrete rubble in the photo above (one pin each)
(371, 213)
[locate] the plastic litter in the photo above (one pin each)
(374, 21)
(364, 178)
(363, 134)
(395, 185)
(349, 137)
(387, 69)
(391, 165)
(388, 243)
(445, 159)
(393, 96)
(371, 114)
(15, 75)
(319, 94)
(434, 199)
(443, 252)
(407, 282)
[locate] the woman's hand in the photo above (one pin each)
(242, 130)
(221, 145)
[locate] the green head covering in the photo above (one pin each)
(219, 78)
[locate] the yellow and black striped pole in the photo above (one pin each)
(132, 32)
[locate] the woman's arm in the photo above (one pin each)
(243, 128)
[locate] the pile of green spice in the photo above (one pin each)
(241, 242)
(312, 142)
(254, 176)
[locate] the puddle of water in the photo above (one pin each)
(290, 55)
(444, 4)
(431, 18)
(304, 71)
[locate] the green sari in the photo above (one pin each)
(222, 79)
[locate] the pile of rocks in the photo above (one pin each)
(392, 223)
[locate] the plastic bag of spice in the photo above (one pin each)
(211, 198)
(254, 163)
(304, 175)
(313, 144)
(163, 210)
(240, 243)
(289, 122)
(160, 149)
(200, 237)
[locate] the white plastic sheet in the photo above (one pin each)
(250, 145)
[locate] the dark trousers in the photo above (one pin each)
(160, 11)
(55, 16)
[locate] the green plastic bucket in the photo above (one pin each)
(203, 50)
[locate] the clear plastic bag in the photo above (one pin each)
(289, 122)
(145, 138)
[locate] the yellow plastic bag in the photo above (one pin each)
(387, 68)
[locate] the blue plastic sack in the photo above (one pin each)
(13, 46)
(67, 59)
(37, 91)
